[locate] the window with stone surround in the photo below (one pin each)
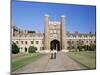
(25, 42)
(32, 42)
(21, 42)
(94, 41)
(17, 42)
(37, 42)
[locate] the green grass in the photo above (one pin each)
(87, 59)
(19, 61)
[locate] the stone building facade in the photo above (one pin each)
(54, 37)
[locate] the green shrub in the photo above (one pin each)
(80, 48)
(15, 48)
(32, 49)
(86, 47)
(92, 47)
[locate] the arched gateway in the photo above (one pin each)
(54, 34)
(55, 44)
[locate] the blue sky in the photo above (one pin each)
(30, 16)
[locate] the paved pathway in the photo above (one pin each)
(44, 64)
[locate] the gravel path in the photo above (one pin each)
(45, 64)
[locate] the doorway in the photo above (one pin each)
(55, 44)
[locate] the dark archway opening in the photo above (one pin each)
(55, 44)
(25, 49)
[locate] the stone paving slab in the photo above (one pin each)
(63, 62)
(45, 64)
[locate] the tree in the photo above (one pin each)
(92, 47)
(85, 47)
(80, 45)
(32, 49)
(69, 45)
(80, 48)
(15, 48)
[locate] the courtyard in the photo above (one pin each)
(39, 62)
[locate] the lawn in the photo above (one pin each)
(21, 60)
(87, 59)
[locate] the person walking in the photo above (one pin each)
(52, 55)
(55, 53)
